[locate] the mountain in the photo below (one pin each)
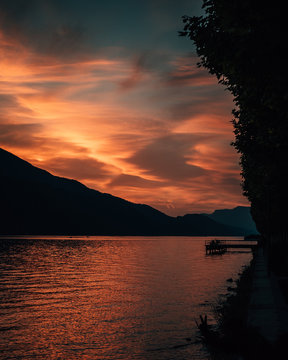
(203, 225)
(35, 202)
(239, 217)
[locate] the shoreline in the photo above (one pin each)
(252, 323)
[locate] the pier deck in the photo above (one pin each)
(221, 246)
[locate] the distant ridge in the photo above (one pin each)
(239, 217)
(35, 202)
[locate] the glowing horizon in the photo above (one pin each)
(149, 127)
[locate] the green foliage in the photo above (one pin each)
(242, 43)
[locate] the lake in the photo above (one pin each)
(109, 297)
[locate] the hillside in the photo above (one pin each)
(239, 217)
(35, 202)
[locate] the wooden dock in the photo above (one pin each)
(214, 247)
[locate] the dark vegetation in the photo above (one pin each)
(36, 202)
(243, 43)
(233, 338)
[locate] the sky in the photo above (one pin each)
(107, 93)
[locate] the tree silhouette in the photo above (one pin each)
(242, 42)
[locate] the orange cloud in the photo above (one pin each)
(165, 142)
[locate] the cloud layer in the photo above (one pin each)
(145, 125)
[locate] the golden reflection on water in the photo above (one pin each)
(108, 298)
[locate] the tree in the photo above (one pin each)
(242, 42)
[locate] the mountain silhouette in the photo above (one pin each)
(240, 216)
(35, 202)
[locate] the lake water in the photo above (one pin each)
(109, 297)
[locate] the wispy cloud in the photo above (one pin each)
(148, 126)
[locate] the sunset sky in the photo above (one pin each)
(107, 93)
